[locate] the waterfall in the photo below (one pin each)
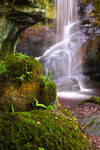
(65, 14)
(64, 58)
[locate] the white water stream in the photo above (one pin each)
(64, 58)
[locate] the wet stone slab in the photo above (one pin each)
(91, 124)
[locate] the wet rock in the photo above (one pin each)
(92, 124)
(35, 40)
(90, 27)
(67, 84)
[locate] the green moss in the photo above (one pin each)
(94, 100)
(3, 69)
(40, 129)
(22, 67)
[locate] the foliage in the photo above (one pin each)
(93, 99)
(40, 129)
(46, 81)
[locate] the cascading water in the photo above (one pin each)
(64, 58)
(66, 15)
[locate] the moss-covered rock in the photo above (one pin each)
(19, 65)
(19, 95)
(93, 99)
(39, 129)
(21, 79)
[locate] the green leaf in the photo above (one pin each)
(12, 108)
(36, 103)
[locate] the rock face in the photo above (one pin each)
(15, 17)
(22, 80)
(20, 96)
(36, 39)
(90, 28)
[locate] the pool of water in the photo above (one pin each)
(71, 98)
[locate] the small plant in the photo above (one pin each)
(36, 103)
(46, 81)
(12, 108)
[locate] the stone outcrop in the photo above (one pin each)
(15, 17)
(90, 28)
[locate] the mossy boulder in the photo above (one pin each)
(21, 79)
(38, 129)
(93, 99)
(22, 65)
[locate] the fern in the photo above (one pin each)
(46, 81)
(36, 103)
